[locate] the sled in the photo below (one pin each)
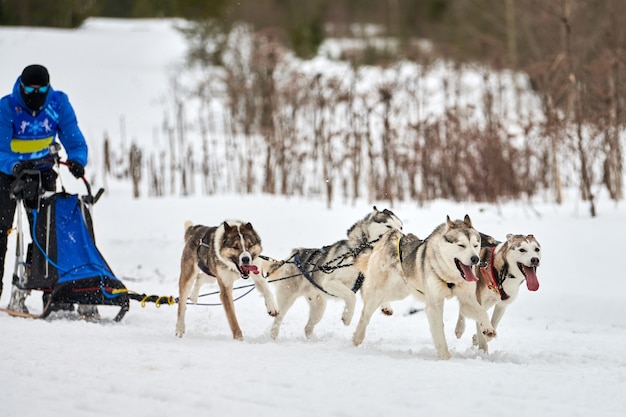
(62, 260)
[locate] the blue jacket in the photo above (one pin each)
(26, 135)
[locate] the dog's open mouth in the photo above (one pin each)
(467, 272)
(246, 269)
(530, 273)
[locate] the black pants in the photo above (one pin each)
(45, 180)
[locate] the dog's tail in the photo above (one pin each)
(188, 224)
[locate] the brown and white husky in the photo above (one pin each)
(224, 253)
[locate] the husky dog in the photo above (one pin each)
(439, 267)
(327, 273)
(504, 267)
(224, 253)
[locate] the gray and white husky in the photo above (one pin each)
(504, 267)
(327, 273)
(438, 267)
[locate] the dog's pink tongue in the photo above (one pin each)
(250, 268)
(468, 272)
(532, 283)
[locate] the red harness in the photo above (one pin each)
(495, 283)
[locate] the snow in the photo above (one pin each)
(559, 351)
(117, 73)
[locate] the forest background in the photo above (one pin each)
(297, 130)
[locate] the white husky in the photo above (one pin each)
(504, 267)
(439, 267)
(327, 273)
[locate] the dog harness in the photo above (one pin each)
(201, 265)
(497, 279)
(300, 264)
(327, 268)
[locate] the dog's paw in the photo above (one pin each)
(274, 332)
(386, 310)
(308, 330)
(489, 333)
(444, 355)
(460, 327)
(180, 327)
(347, 315)
(271, 306)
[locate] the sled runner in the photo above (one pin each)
(62, 261)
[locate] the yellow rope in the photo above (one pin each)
(169, 300)
(161, 299)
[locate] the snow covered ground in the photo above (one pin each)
(559, 351)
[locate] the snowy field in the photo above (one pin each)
(559, 351)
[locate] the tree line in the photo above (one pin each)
(572, 52)
(262, 121)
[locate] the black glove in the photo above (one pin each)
(76, 168)
(22, 166)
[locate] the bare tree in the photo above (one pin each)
(135, 158)
(386, 95)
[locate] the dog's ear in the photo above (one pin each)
(486, 240)
(226, 226)
(449, 222)
(248, 226)
(532, 237)
(509, 236)
(375, 209)
(467, 221)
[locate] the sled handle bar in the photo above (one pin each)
(89, 198)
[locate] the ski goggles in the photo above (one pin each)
(28, 89)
